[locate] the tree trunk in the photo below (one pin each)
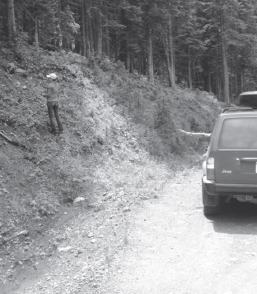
(84, 47)
(150, 56)
(87, 26)
(63, 4)
(107, 42)
(219, 89)
(99, 45)
(4, 18)
(217, 74)
(209, 81)
(127, 53)
(11, 21)
(127, 61)
(139, 57)
(171, 51)
(60, 38)
(189, 70)
(91, 37)
(166, 49)
(107, 49)
(36, 33)
(231, 79)
(225, 66)
(168, 46)
(131, 66)
(209, 76)
(241, 75)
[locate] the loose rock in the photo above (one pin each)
(64, 249)
(78, 200)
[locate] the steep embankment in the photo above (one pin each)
(117, 128)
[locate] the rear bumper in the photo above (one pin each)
(213, 188)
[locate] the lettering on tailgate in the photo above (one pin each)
(226, 171)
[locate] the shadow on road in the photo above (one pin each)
(236, 218)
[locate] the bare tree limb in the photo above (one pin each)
(195, 134)
(15, 143)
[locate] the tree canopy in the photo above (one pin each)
(209, 44)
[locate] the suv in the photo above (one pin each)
(230, 167)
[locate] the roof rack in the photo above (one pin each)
(235, 109)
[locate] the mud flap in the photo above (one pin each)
(210, 200)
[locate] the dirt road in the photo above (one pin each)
(170, 248)
(175, 249)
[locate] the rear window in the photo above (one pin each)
(239, 133)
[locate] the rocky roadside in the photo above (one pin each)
(75, 255)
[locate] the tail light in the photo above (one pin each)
(210, 168)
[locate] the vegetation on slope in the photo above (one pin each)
(118, 130)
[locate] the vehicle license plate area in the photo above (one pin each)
(249, 167)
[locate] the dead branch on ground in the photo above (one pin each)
(15, 143)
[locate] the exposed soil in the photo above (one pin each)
(161, 245)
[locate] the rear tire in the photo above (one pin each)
(211, 210)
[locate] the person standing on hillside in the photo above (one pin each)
(52, 95)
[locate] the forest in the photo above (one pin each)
(205, 44)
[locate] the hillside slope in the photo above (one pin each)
(118, 130)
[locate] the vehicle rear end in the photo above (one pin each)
(230, 169)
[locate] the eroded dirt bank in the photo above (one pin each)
(163, 246)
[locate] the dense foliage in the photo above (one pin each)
(209, 44)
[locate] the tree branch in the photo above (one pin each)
(15, 143)
(195, 134)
